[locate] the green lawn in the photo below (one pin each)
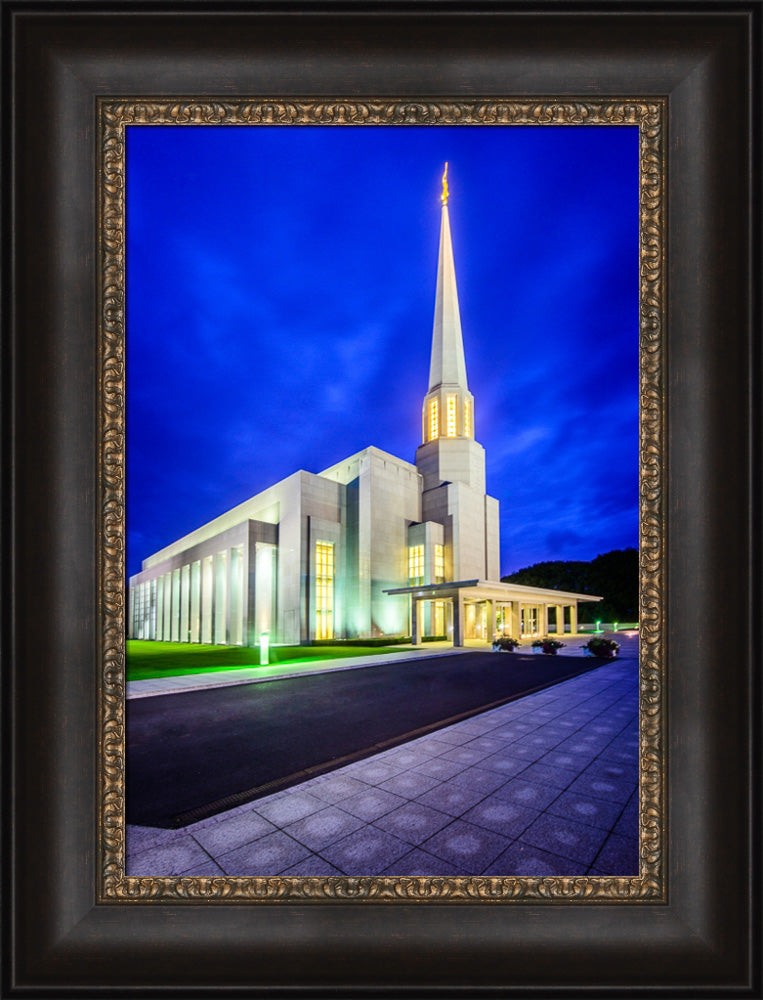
(146, 660)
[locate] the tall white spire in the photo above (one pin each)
(447, 365)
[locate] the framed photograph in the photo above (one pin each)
(286, 171)
(431, 765)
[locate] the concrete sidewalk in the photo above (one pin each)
(545, 785)
(306, 668)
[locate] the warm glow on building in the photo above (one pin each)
(451, 416)
(324, 590)
(434, 421)
(468, 418)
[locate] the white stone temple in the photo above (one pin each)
(373, 546)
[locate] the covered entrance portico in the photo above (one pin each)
(481, 610)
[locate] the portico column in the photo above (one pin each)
(543, 620)
(574, 618)
(415, 622)
(491, 621)
(458, 620)
(560, 619)
(515, 620)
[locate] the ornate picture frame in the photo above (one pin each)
(115, 116)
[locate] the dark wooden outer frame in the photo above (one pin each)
(704, 59)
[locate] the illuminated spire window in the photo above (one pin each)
(434, 419)
(468, 418)
(451, 431)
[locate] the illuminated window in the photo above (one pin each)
(451, 416)
(468, 418)
(439, 564)
(416, 564)
(324, 590)
(434, 422)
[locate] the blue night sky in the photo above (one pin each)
(280, 298)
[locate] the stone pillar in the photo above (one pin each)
(573, 618)
(459, 624)
(560, 619)
(516, 627)
(250, 589)
(491, 621)
(415, 622)
(542, 620)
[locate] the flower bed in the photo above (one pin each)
(599, 645)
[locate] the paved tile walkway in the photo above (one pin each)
(546, 785)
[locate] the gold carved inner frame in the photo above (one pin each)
(114, 115)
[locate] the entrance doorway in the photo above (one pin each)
(530, 620)
(476, 620)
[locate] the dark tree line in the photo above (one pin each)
(613, 576)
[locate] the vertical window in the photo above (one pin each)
(416, 564)
(451, 426)
(324, 590)
(185, 602)
(439, 564)
(434, 422)
(221, 599)
(207, 595)
(167, 616)
(176, 605)
(236, 595)
(152, 624)
(467, 418)
(160, 607)
(195, 625)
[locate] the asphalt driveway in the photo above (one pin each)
(195, 754)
